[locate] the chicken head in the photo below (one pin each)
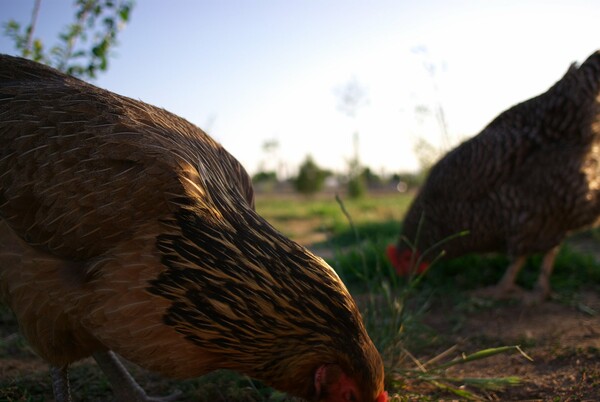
(405, 261)
(332, 384)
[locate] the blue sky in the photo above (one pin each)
(258, 70)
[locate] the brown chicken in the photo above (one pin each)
(125, 229)
(520, 186)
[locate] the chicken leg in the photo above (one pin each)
(123, 384)
(60, 384)
(506, 287)
(507, 283)
(542, 287)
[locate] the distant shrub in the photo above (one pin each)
(356, 187)
(311, 178)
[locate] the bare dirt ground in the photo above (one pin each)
(563, 341)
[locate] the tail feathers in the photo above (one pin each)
(589, 73)
(566, 110)
(581, 82)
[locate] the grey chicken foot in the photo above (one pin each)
(123, 384)
(506, 287)
(497, 292)
(542, 289)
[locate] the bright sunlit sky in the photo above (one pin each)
(251, 71)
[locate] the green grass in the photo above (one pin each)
(572, 269)
(325, 211)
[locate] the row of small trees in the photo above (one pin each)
(311, 179)
(357, 179)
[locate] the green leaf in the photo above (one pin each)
(109, 23)
(38, 50)
(124, 13)
(11, 27)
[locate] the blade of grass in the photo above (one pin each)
(482, 354)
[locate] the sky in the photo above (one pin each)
(253, 71)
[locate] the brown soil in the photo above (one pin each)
(562, 340)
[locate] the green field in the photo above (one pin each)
(304, 219)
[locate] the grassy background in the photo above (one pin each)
(377, 221)
(392, 306)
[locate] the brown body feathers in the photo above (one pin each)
(522, 184)
(124, 227)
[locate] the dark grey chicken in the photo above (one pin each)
(520, 186)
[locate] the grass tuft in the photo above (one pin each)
(384, 299)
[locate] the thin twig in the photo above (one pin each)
(356, 236)
(31, 27)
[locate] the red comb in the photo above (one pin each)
(404, 261)
(383, 397)
(392, 255)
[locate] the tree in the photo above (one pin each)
(370, 177)
(264, 181)
(84, 46)
(351, 97)
(266, 178)
(311, 177)
(356, 182)
(427, 154)
(270, 163)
